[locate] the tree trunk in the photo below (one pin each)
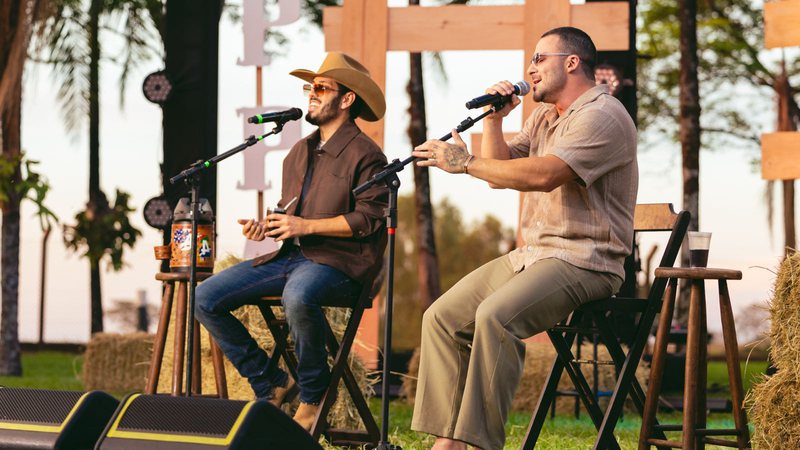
(97, 200)
(428, 264)
(10, 362)
(785, 123)
(689, 133)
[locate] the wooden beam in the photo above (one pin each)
(782, 23)
(363, 35)
(479, 27)
(780, 155)
(541, 16)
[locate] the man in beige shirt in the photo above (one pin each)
(575, 163)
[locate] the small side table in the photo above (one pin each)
(182, 279)
(695, 432)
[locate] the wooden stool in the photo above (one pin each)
(695, 433)
(169, 279)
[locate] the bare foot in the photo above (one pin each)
(448, 444)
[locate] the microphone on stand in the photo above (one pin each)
(277, 116)
(521, 88)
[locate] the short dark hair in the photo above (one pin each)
(357, 106)
(576, 41)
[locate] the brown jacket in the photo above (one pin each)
(348, 159)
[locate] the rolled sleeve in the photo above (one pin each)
(368, 214)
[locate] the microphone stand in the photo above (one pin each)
(191, 176)
(388, 177)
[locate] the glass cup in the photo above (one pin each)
(273, 210)
(699, 241)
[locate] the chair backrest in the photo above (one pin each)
(655, 217)
(662, 217)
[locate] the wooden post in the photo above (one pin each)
(779, 157)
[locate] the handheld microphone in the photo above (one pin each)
(521, 88)
(277, 116)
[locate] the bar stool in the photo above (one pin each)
(695, 432)
(169, 280)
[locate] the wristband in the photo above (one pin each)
(466, 163)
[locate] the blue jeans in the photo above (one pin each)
(302, 284)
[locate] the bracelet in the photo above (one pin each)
(466, 163)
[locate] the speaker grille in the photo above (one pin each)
(181, 415)
(36, 406)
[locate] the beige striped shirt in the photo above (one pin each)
(587, 222)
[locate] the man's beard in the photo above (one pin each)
(549, 93)
(324, 114)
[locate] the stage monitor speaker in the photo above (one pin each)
(159, 422)
(57, 420)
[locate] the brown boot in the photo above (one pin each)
(281, 395)
(305, 415)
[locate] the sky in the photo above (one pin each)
(731, 190)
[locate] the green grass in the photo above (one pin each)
(719, 383)
(61, 371)
(561, 433)
(48, 370)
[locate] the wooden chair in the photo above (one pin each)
(340, 370)
(647, 218)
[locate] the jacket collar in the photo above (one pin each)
(337, 143)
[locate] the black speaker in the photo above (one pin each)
(158, 422)
(58, 420)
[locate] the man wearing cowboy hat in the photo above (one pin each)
(331, 238)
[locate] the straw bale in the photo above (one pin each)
(117, 362)
(774, 403)
(538, 361)
(343, 414)
(785, 315)
(775, 411)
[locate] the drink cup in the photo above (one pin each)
(699, 243)
(162, 251)
(273, 210)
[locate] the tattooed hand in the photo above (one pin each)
(448, 157)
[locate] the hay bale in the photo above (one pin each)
(538, 361)
(785, 315)
(775, 411)
(343, 414)
(774, 403)
(117, 362)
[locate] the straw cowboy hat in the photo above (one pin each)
(347, 71)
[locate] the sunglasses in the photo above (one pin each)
(537, 57)
(319, 90)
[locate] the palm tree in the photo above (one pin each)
(18, 19)
(73, 47)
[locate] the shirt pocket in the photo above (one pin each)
(335, 194)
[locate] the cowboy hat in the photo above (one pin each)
(346, 71)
